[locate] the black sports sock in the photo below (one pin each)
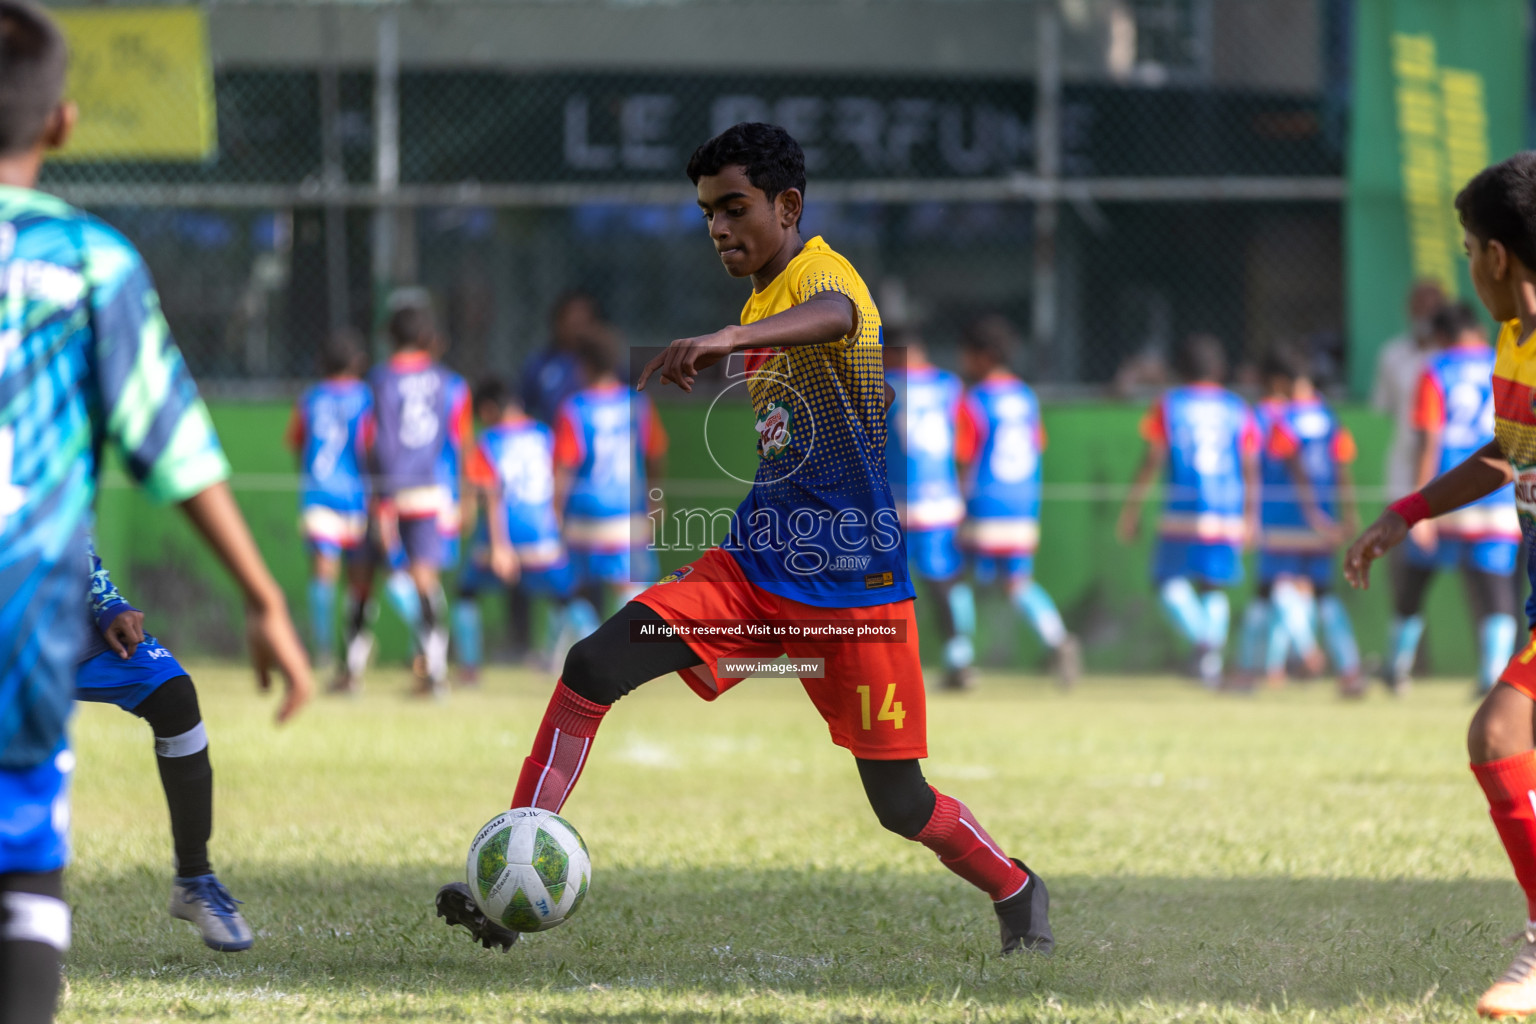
(181, 752)
(357, 615)
(34, 933)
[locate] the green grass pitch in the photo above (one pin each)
(1284, 857)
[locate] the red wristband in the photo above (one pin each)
(1413, 508)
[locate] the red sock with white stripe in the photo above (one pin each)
(1510, 785)
(965, 848)
(559, 750)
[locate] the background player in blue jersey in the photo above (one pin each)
(418, 409)
(86, 358)
(123, 665)
(512, 470)
(326, 433)
(1207, 442)
(1308, 496)
(1453, 414)
(1002, 484)
(609, 452)
(923, 420)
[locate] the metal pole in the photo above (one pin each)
(386, 127)
(1047, 170)
(332, 175)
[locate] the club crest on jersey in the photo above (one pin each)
(683, 572)
(773, 430)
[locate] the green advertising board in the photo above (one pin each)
(1439, 92)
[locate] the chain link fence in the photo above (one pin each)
(1136, 208)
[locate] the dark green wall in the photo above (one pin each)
(1103, 588)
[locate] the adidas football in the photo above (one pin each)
(529, 869)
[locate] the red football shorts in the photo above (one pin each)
(872, 693)
(1521, 670)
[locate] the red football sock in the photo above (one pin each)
(1510, 785)
(965, 848)
(559, 750)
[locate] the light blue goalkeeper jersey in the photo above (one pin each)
(85, 358)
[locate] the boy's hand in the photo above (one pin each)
(124, 633)
(1386, 533)
(1129, 525)
(681, 361)
(504, 563)
(275, 645)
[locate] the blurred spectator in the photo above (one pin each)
(1141, 374)
(553, 374)
(1398, 369)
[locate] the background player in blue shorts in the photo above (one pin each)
(609, 451)
(1307, 495)
(1207, 441)
(326, 433)
(512, 470)
(922, 422)
(418, 409)
(1453, 413)
(125, 666)
(86, 358)
(1006, 439)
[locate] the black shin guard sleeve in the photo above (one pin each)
(185, 774)
(29, 970)
(900, 796)
(608, 664)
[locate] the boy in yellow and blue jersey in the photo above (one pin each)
(816, 540)
(1498, 216)
(86, 359)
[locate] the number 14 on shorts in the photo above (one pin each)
(890, 708)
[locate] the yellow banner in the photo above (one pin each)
(144, 82)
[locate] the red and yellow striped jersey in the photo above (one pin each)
(1514, 408)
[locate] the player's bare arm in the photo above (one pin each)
(1349, 505)
(269, 631)
(125, 632)
(503, 555)
(823, 318)
(1307, 498)
(1479, 476)
(1429, 444)
(1252, 482)
(1130, 515)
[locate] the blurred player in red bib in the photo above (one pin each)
(816, 545)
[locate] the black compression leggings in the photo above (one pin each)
(611, 663)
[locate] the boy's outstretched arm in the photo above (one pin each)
(1130, 516)
(269, 631)
(1483, 472)
(824, 317)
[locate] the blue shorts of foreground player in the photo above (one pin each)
(34, 815)
(1319, 568)
(108, 679)
(1491, 556)
(1220, 565)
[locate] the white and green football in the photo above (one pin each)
(529, 869)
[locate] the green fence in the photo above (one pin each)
(1103, 587)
